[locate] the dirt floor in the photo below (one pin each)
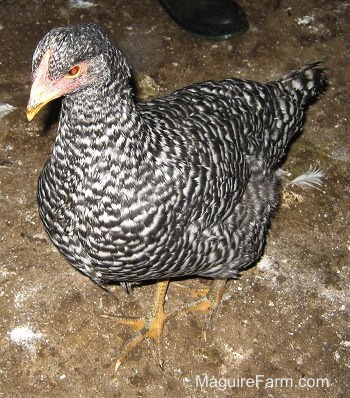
(285, 321)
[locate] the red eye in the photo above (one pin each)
(74, 71)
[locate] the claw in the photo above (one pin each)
(151, 327)
(208, 303)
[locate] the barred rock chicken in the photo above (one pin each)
(179, 186)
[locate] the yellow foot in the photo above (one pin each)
(151, 327)
(208, 302)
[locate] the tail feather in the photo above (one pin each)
(307, 83)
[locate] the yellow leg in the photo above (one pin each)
(209, 302)
(200, 292)
(150, 327)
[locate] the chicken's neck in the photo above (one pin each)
(101, 123)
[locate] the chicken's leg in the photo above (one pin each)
(209, 303)
(150, 327)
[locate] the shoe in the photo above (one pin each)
(210, 19)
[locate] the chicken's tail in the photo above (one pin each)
(307, 83)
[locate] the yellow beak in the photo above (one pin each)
(42, 90)
(40, 95)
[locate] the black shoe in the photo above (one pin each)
(212, 19)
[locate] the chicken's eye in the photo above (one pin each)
(74, 72)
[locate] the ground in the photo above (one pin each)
(285, 321)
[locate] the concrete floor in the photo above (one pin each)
(287, 318)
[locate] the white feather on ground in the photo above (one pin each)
(5, 109)
(81, 3)
(312, 178)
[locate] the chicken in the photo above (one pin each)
(180, 186)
